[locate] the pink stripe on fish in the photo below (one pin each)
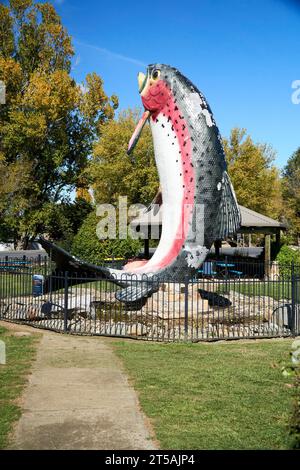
(160, 97)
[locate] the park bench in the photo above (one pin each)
(207, 269)
(14, 265)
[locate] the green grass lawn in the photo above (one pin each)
(20, 284)
(213, 396)
(20, 352)
(277, 290)
(14, 284)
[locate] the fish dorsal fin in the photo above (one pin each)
(229, 218)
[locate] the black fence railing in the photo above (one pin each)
(231, 267)
(219, 303)
(43, 264)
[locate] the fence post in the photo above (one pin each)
(267, 256)
(66, 303)
(186, 307)
(295, 303)
(45, 269)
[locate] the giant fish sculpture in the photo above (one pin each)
(199, 203)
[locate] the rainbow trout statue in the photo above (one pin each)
(199, 203)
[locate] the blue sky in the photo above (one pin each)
(243, 55)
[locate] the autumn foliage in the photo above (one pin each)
(48, 123)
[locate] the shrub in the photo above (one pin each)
(87, 246)
(286, 257)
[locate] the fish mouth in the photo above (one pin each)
(142, 80)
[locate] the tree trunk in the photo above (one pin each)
(22, 243)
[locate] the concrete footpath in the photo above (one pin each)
(78, 397)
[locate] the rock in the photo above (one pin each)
(138, 329)
(282, 315)
(119, 328)
(268, 329)
(203, 305)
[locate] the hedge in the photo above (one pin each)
(87, 246)
(286, 257)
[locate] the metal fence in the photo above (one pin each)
(219, 303)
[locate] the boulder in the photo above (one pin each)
(282, 315)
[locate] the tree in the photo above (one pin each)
(113, 173)
(86, 245)
(62, 221)
(255, 179)
(291, 194)
(49, 123)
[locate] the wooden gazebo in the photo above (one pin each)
(252, 222)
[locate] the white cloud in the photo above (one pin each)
(76, 62)
(111, 54)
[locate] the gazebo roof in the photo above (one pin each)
(251, 221)
(251, 218)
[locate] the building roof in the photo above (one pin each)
(250, 220)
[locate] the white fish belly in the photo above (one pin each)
(169, 165)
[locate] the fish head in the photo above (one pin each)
(155, 91)
(154, 87)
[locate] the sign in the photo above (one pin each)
(37, 284)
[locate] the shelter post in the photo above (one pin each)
(267, 255)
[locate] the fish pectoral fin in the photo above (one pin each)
(195, 254)
(229, 218)
(137, 132)
(136, 292)
(155, 203)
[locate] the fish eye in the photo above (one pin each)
(155, 74)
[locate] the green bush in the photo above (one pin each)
(286, 257)
(87, 246)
